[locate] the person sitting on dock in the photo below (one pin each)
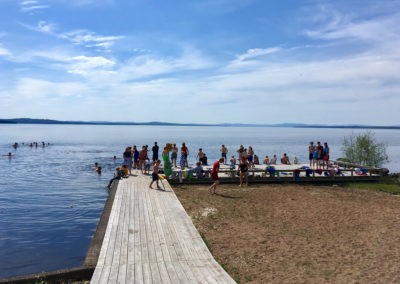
(266, 160)
(214, 175)
(154, 175)
(125, 171)
(117, 176)
(256, 160)
(273, 160)
(199, 171)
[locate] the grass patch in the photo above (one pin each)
(389, 188)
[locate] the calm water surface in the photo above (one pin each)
(51, 199)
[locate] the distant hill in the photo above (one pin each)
(155, 123)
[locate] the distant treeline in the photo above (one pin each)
(289, 125)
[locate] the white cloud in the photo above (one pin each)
(43, 27)
(256, 52)
(82, 65)
(85, 37)
(4, 51)
(335, 26)
(32, 6)
(78, 37)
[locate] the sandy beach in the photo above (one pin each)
(299, 234)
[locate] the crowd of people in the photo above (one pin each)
(16, 145)
(31, 144)
(133, 158)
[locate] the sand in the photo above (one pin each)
(299, 234)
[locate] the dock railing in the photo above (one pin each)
(263, 175)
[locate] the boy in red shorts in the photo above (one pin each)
(214, 175)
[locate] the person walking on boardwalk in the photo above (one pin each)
(155, 149)
(154, 175)
(214, 175)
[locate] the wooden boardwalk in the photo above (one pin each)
(151, 239)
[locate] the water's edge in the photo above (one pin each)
(85, 271)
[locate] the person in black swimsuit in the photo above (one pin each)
(243, 169)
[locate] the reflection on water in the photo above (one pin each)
(51, 199)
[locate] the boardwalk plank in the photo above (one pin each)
(151, 239)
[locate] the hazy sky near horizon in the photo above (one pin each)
(210, 61)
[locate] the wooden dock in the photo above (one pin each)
(151, 239)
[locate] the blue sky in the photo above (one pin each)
(211, 61)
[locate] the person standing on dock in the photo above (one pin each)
(155, 149)
(127, 155)
(174, 154)
(325, 156)
(243, 171)
(200, 155)
(214, 175)
(311, 150)
(320, 149)
(135, 157)
(224, 152)
(142, 158)
(184, 154)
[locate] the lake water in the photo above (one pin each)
(51, 199)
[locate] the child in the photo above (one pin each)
(117, 176)
(125, 171)
(199, 170)
(214, 175)
(233, 163)
(154, 175)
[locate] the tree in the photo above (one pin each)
(364, 150)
